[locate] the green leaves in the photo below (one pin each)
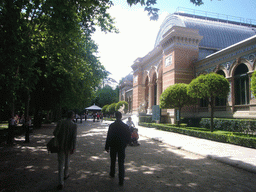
(175, 96)
(106, 95)
(49, 49)
(209, 86)
(253, 83)
(121, 103)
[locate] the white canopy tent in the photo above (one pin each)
(93, 108)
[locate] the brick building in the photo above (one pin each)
(188, 45)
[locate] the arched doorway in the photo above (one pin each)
(241, 85)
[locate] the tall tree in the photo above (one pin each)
(42, 39)
(105, 95)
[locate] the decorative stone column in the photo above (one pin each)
(150, 89)
(159, 91)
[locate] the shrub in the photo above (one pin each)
(191, 122)
(234, 125)
(147, 119)
(226, 137)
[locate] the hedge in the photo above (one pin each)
(204, 133)
(147, 119)
(234, 125)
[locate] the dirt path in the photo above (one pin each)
(153, 166)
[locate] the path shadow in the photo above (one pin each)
(152, 166)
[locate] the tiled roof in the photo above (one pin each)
(217, 34)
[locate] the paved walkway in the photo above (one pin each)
(153, 166)
(241, 157)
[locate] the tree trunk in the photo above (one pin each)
(27, 118)
(37, 118)
(48, 115)
(10, 136)
(179, 116)
(13, 108)
(212, 112)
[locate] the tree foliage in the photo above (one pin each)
(253, 83)
(104, 109)
(175, 96)
(106, 95)
(47, 54)
(47, 51)
(111, 108)
(209, 87)
(122, 103)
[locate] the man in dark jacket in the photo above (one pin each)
(118, 137)
(66, 133)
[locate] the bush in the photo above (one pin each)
(226, 137)
(147, 119)
(191, 122)
(234, 125)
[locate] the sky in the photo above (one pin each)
(137, 34)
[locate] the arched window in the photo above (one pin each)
(220, 101)
(241, 85)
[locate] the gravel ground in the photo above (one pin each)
(152, 166)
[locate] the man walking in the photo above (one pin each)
(118, 137)
(65, 132)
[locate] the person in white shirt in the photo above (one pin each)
(130, 123)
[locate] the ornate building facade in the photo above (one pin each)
(188, 45)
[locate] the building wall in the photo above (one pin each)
(228, 60)
(175, 60)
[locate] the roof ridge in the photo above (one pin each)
(217, 19)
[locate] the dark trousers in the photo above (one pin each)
(10, 136)
(121, 156)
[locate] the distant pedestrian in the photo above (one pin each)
(98, 116)
(12, 125)
(85, 116)
(101, 117)
(118, 137)
(94, 117)
(65, 132)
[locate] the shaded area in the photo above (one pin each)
(153, 166)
